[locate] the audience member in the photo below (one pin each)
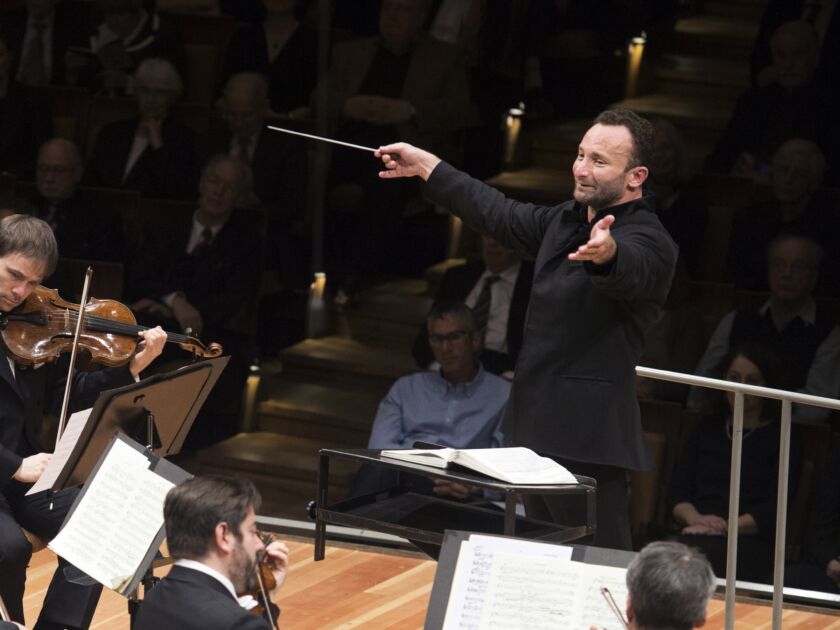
(82, 228)
(798, 169)
(798, 105)
(201, 273)
(698, 495)
(825, 18)
(459, 406)
(25, 121)
(152, 153)
(683, 212)
(211, 532)
(497, 288)
(43, 31)
(790, 323)
(403, 84)
(668, 588)
(820, 570)
(282, 49)
(277, 160)
(128, 34)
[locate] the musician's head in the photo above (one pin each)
(226, 183)
(212, 519)
(59, 170)
(245, 104)
(669, 585)
(28, 254)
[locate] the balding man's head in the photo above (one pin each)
(245, 104)
(59, 170)
(795, 48)
(798, 170)
(793, 262)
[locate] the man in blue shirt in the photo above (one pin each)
(460, 406)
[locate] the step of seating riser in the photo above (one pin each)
(332, 435)
(690, 87)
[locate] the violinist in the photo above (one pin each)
(28, 254)
(211, 532)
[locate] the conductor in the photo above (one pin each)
(603, 269)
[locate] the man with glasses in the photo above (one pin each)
(790, 322)
(460, 406)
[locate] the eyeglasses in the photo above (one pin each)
(455, 335)
(797, 267)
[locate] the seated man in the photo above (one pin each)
(460, 406)
(790, 322)
(668, 586)
(201, 272)
(82, 229)
(499, 286)
(212, 533)
(28, 254)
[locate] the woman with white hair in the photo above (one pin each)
(152, 153)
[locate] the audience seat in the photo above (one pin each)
(713, 300)
(105, 283)
(816, 443)
(69, 110)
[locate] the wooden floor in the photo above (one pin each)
(364, 589)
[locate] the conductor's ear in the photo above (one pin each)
(638, 175)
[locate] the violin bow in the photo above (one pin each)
(4, 614)
(266, 602)
(62, 419)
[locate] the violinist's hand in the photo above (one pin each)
(187, 315)
(277, 556)
(150, 347)
(32, 467)
(406, 161)
(601, 246)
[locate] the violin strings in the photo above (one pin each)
(108, 325)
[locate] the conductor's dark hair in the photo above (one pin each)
(452, 308)
(640, 130)
(193, 509)
(30, 237)
(669, 585)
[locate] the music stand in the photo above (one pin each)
(157, 411)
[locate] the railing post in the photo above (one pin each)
(781, 516)
(734, 500)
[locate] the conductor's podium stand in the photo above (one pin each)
(422, 518)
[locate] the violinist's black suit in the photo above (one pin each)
(190, 600)
(25, 397)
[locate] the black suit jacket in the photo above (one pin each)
(69, 28)
(187, 599)
(573, 395)
(166, 173)
(218, 282)
(31, 393)
(279, 167)
(456, 284)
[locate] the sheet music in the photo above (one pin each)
(117, 519)
(473, 571)
(512, 584)
(72, 430)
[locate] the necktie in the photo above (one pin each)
(243, 150)
(34, 72)
(481, 310)
(204, 243)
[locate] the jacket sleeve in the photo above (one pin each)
(388, 430)
(520, 226)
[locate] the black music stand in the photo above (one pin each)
(157, 412)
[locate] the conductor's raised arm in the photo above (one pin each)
(404, 160)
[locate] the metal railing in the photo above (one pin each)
(787, 398)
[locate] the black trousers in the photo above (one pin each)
(612, 504)
(66, 604)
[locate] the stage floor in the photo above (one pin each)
(364, 588)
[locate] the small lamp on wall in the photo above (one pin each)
(635, 51)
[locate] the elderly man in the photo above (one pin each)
(460, 405)
(669, 586)
(152, 153)
(211, 531)
(200, 272)
(790, 322)
(82, 228)
(798, 171)
(798, 104)
(603, 269)
(28, 254)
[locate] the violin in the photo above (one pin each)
(44, 326)
(266, 582)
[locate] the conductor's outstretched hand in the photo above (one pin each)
(601, 247)
(403, 160)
